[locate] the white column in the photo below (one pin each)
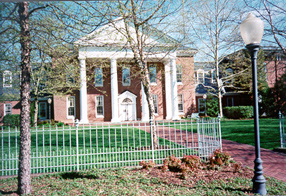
(174, 90)
(168, 90)
(83, 91)
(114, 91)
(145, 110)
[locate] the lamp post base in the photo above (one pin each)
(258, 179)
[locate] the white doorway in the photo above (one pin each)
(127, 106)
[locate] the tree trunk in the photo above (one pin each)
(35, 120)
(24, 179)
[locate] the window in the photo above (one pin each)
(200, 77)
(213, 73)
(228, 73)
(153, 74)
(180, 103)
(43, 110)
(71, 107)
(155, 101)
(99, 106)
(179, 73)
(229, 101)
(7, 108)
(98, 76)
(202, 105)
(126, 76)
(7, 79)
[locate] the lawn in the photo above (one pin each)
(242, 131)
(140, 182)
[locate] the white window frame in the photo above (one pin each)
(152, 82)
(95, 75)
(96, 105)
(128, 78)
(181, 96)
(179, 72)
(68, 105)
(155, 101)
(203, 76)
(5, 108)
(8, 74)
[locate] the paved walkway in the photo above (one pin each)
(274, 163)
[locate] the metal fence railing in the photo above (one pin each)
(108, 145)
(282, 122)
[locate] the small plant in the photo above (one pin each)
(192, 161)
(149, 165)
(219, 158)
(172, 163)
(60, 124)
(237, 167)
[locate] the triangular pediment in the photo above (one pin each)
(115, 34)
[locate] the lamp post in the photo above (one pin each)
(49, 102)
(251, 31)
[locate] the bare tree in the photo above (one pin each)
(213, 29)
(273, 12)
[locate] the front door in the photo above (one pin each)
(42, 110)
(127, 113)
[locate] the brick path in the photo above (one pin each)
(274, 163)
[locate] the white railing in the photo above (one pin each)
(108, 145)
(282, 122)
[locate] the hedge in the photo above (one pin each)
(12, 120)
(238, 112)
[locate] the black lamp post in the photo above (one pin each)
(251, 31)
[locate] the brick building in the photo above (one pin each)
(117, 94)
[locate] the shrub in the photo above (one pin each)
(60, 124)
(172, 163)
(191, 161)
(11, 120)
(238, 112)
(219, 158)
(212, 106)
(149, 165)
(186, 165)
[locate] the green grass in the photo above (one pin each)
(128, 182)
(242, 131)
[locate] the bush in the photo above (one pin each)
(212, 106)
(149, 165)
(192, 161)
(11, 120)
(238, 112)
(219, 158)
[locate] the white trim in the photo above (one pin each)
(121, 98)
(6, 104)
(96, 114)
(71, 116)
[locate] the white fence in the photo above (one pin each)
(106, 145)
(282, 122)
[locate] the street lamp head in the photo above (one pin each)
(251, 30)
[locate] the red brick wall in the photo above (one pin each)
(187, 88)
(16, 107)
(275, 69)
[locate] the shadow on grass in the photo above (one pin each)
(75, 175)
(235, 189)
(8, 192)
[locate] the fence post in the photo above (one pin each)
(219, 129)
(280, 126)
(199, 137)
(152, 141)
(77, 155)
